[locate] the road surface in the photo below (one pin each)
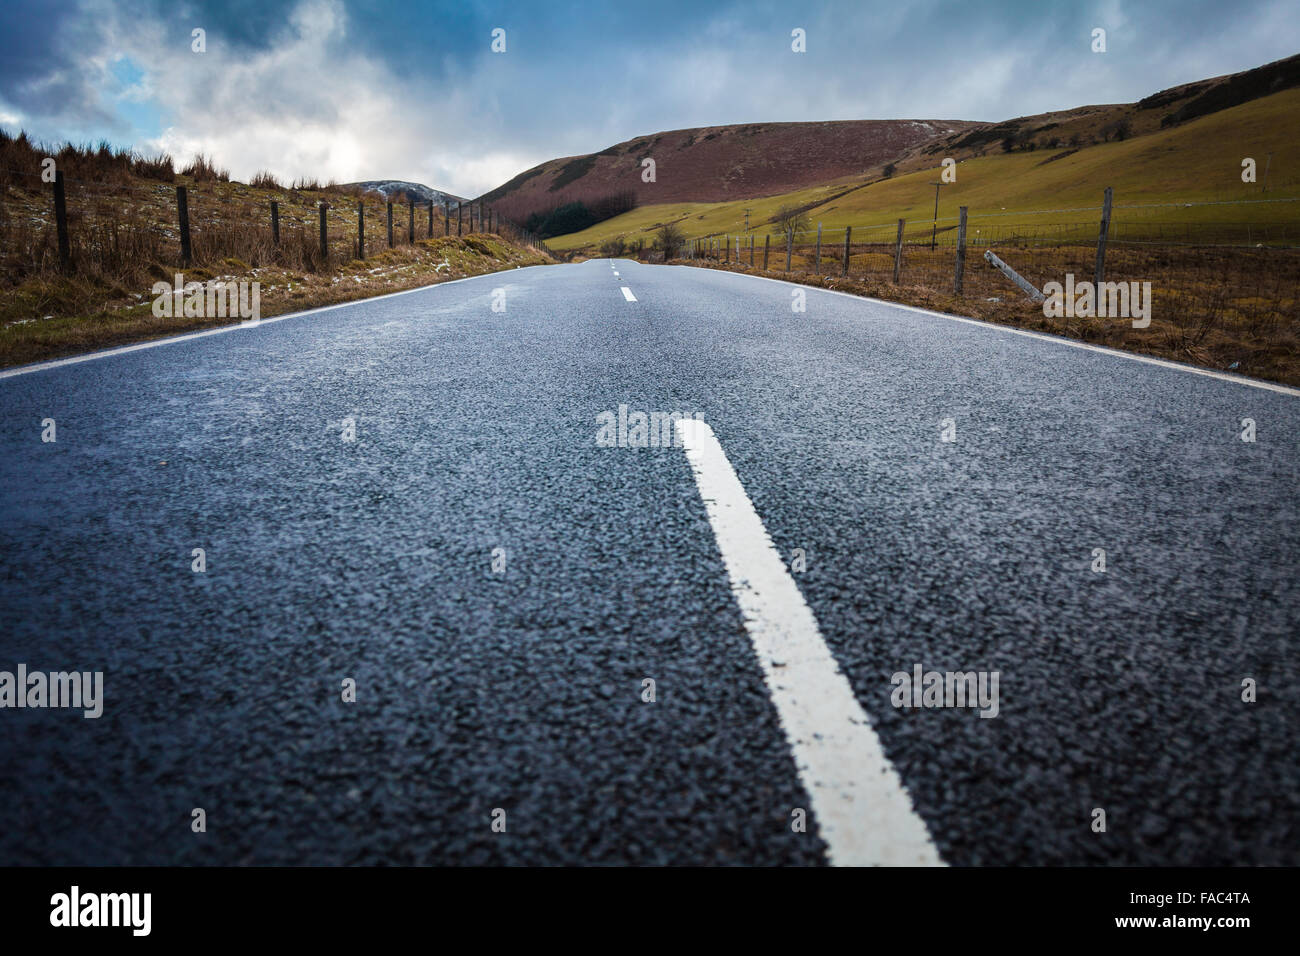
(500, 582)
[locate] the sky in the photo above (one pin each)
(372, 89)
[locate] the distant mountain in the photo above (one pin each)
(717, 163)
(391, 188)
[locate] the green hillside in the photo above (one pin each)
(1197, 162)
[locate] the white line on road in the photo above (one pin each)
(615, 272)
(627, 294)
(862, 810)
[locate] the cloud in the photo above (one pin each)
(306, 105)
(320, 89)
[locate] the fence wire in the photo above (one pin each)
(1204, 276)
(122, 232)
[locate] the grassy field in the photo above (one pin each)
(1198, 162)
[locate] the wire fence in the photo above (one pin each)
(119, 231)
(1204, 274)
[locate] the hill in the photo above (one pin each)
(715, 163)
(391, 188)
(1179, 146)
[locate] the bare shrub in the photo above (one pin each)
(204, 170)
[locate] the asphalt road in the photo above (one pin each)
(522, 689)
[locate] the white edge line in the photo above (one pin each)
(859, 804)
(1057, 339)
(187, 336)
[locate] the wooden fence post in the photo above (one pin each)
(430, 218)
(361, 229)
(751, 250)
(61, 222)
(789, 248)
(460, 219)
(446, 219)
(726, 242)
(1025, 285)
(898, 251)
(275, 222)
(324, 238)
(848, 231)
(817, 266)
(390, 225)
(410, 221)
(1101, 239)
(961, 249)
(767, 248)
(183, 208)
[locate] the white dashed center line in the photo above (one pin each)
(864, 814)
(627, 294)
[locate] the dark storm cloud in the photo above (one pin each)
(389, 89)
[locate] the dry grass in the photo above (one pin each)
(204, 170)
(21, 160)
(124, 236)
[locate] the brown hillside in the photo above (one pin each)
(714, 163)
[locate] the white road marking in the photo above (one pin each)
(1056, 339)
(627, 294)
(861, 808)
(221, 329)
(615, 272)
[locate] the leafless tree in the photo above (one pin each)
(790, 220)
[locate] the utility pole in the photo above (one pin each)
(934, 228)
